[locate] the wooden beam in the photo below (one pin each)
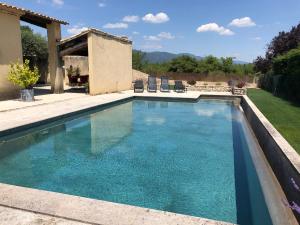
(72, 49)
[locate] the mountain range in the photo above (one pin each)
(161, 57)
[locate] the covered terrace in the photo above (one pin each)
(11, 46)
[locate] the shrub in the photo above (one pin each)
(241, 84)
(265, 82)
(191, 82)
(289, 87)
(288, 65)
(73, 72)
(22, 75)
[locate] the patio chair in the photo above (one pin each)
(179, 86)
(164, 86)
(138, 86)
(152, 86)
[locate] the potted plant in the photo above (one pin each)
(192, 82)
(25, 78)
(241, 84)
(87, 88)
(73, 74)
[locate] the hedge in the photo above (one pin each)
(288, 85)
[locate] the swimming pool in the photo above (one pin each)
(183, 157)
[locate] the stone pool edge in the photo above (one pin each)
(91, 211)
(281, 156)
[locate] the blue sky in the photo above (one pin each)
(234, 28)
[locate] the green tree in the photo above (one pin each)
(280, 44)
(183, 64)
(138, 60)
(262, 65)
(33, 44)
(209, 64)
(156, 68)
(227, 64)
(288, 63)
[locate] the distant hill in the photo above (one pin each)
(161, 57)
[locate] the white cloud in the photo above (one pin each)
(165, 35)
(76, 29)
(158, 18)
(213, 27)
(131, 19)
(135, 33)
(101, 4)
(151, 38)
(160, 36)
(242, 22)
(116, 26)
(58, 2)
(151, 46)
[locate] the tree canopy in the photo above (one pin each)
(138, 60)
(280, 44)
(280, 67)
(183, 64)
(189, 64)
(33, 44)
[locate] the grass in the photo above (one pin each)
(284, 115)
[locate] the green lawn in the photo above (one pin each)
(284, 115)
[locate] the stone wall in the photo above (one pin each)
(138, 75)
(10, 52)
(110, 64)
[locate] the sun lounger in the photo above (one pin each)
(138, 86)
(152, 86)
(164, 86)
(179, 86)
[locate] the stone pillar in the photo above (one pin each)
(55, 61)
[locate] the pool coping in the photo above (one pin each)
(290, 153)
(281, 156)
(91, 211)
(97, 211)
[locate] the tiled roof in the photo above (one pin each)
(96, 31)
(28, 13)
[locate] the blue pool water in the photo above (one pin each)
(183, 157)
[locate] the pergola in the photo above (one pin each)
(109, 59)
(10, 17)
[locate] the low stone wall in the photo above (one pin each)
(138, 75)
(282, 157)
(213, 77)
(207, 88)
(214, 86)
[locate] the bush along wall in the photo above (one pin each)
(288, 84)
